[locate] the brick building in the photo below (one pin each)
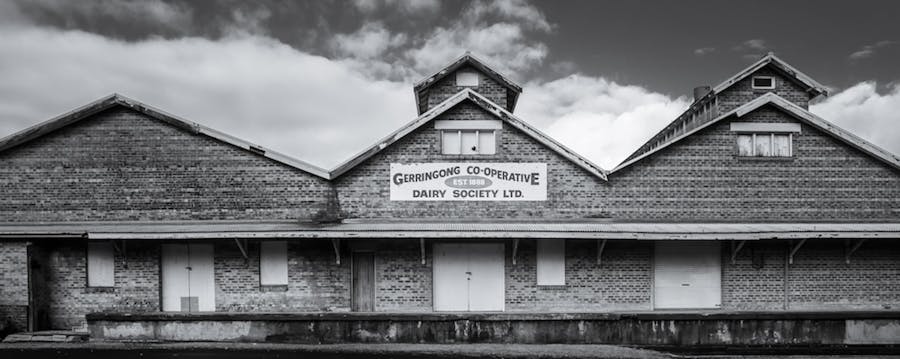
(746, 202)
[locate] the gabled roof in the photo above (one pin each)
(797, 112)
(771, 59)
(709, 102)
(113, 100)
(487, 105)
(467, 59)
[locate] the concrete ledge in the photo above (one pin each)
(672, 328)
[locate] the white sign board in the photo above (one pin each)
(469, 181)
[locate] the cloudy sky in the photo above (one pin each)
(321, 80)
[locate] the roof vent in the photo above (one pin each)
(701, 91)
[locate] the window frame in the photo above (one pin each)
(278, 251)
(459, 137)
(770, 87)
(771, 136)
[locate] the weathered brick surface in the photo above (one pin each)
(122, 165)
(572, 192)
(68, 298)
(622, 281)
(13, 286)
(743, 91)
(446, 87)
(402, 282)
(700, 178)
(315, 282)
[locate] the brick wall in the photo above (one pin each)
(123, 165)
(743, 91)
(402, 282)
(13, 287)
(315, 282)
(622, 281)
(446, 87)
(571, 192)
(700, 178)
(68, 298)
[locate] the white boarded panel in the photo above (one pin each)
(486, 287)
(101, 264)
(273, 267)
(551, 262)
(174, 276)
(202, 276)
(687, 274)
(451, 283)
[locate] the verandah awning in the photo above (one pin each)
(598, 229)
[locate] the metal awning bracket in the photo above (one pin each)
(601, 245)
(849, 249)
(794, 249)
(336, 243)
(120, 248)
(242, 245)
(515, 250)
(735, 249)
(422, 249)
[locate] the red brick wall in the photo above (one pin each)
(571, 193)
(446, 87)
(700, 178)
(122, 165)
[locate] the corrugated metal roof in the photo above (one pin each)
(587, 229)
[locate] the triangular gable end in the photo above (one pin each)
(468, 59)
(779, 64)
(796, 112)
(487, 105)
(113, 100)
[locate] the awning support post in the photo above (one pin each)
(242, 245)
(422, 249)
(336, 243)
(794, 250)
(850, 249)
(601, 245)
(515, 250)
(735, 249)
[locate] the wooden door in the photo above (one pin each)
(188, 278)
(687, 274)
(363, 282)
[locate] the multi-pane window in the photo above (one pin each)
(468, 142)
(765, 144)
(468, 137)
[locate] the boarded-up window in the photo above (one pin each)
(551, 262)
(101, 264)
(781, 145)
(273, 268)
(468, 142)
(466, 78)
(763, 145)
(745, 145)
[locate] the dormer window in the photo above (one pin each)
(467, 78)
(468, 137)
(763, 82)
(765, 139)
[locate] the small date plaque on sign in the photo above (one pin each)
(468, 181)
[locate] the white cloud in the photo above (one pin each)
(370, 41)
(252, 87)
(704, 51)
(597, 118)
(409, 7)
(752, 45)
(868, 51)
(153, 12)
(866, 113)
(519, 11)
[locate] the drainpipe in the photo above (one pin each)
(787, 255)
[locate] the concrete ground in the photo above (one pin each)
(99, 350)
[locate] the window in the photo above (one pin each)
(765, 145)
(100, 264)
(551, 262)
(273, 268)
(466, 78)
(763, 82)
(468, 142)
(468, 137)
(765, 139)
